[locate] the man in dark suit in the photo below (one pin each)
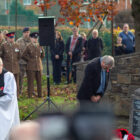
(73, 50)
(96, 79)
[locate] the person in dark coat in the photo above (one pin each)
(94, 46)
(57, 58)
(73, 50)
(119, 47)
(128, 39)
(96, 79)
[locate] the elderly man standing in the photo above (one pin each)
(73, 50)
(9, 113)
(96, 79)
(94, 46)
(23, 42)
(10, 55)
(33, 55)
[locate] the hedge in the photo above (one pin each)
(66, 32)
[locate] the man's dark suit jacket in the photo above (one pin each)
(76, 54)
(91, 81)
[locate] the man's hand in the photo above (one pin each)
(70, 53)
(95, 98)
(56, 56)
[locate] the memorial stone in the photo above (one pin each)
(135, 114)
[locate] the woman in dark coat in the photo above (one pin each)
(57, 57)
(94, 46)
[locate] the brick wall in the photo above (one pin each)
(121, 5)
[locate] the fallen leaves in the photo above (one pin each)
(63, 95)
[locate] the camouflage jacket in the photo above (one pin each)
(33, 55)
(23, 43)
(10, 55)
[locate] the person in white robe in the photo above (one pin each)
(9, 112)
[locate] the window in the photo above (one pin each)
(27, 2)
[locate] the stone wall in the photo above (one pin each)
(125, 78)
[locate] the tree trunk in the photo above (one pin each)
(136, 15)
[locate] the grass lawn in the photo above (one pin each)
(64, 96)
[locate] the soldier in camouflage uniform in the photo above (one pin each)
(23, 43)
(33, 55)
(10, 55)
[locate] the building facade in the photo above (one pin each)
(124, 4)
(5, 5)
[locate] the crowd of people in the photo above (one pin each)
(24, 56)
(125, 42)
(77, 48)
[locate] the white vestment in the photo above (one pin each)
(9, 113)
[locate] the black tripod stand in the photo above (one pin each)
(48, 99)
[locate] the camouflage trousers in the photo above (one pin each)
(31, 75)
(22, 73)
